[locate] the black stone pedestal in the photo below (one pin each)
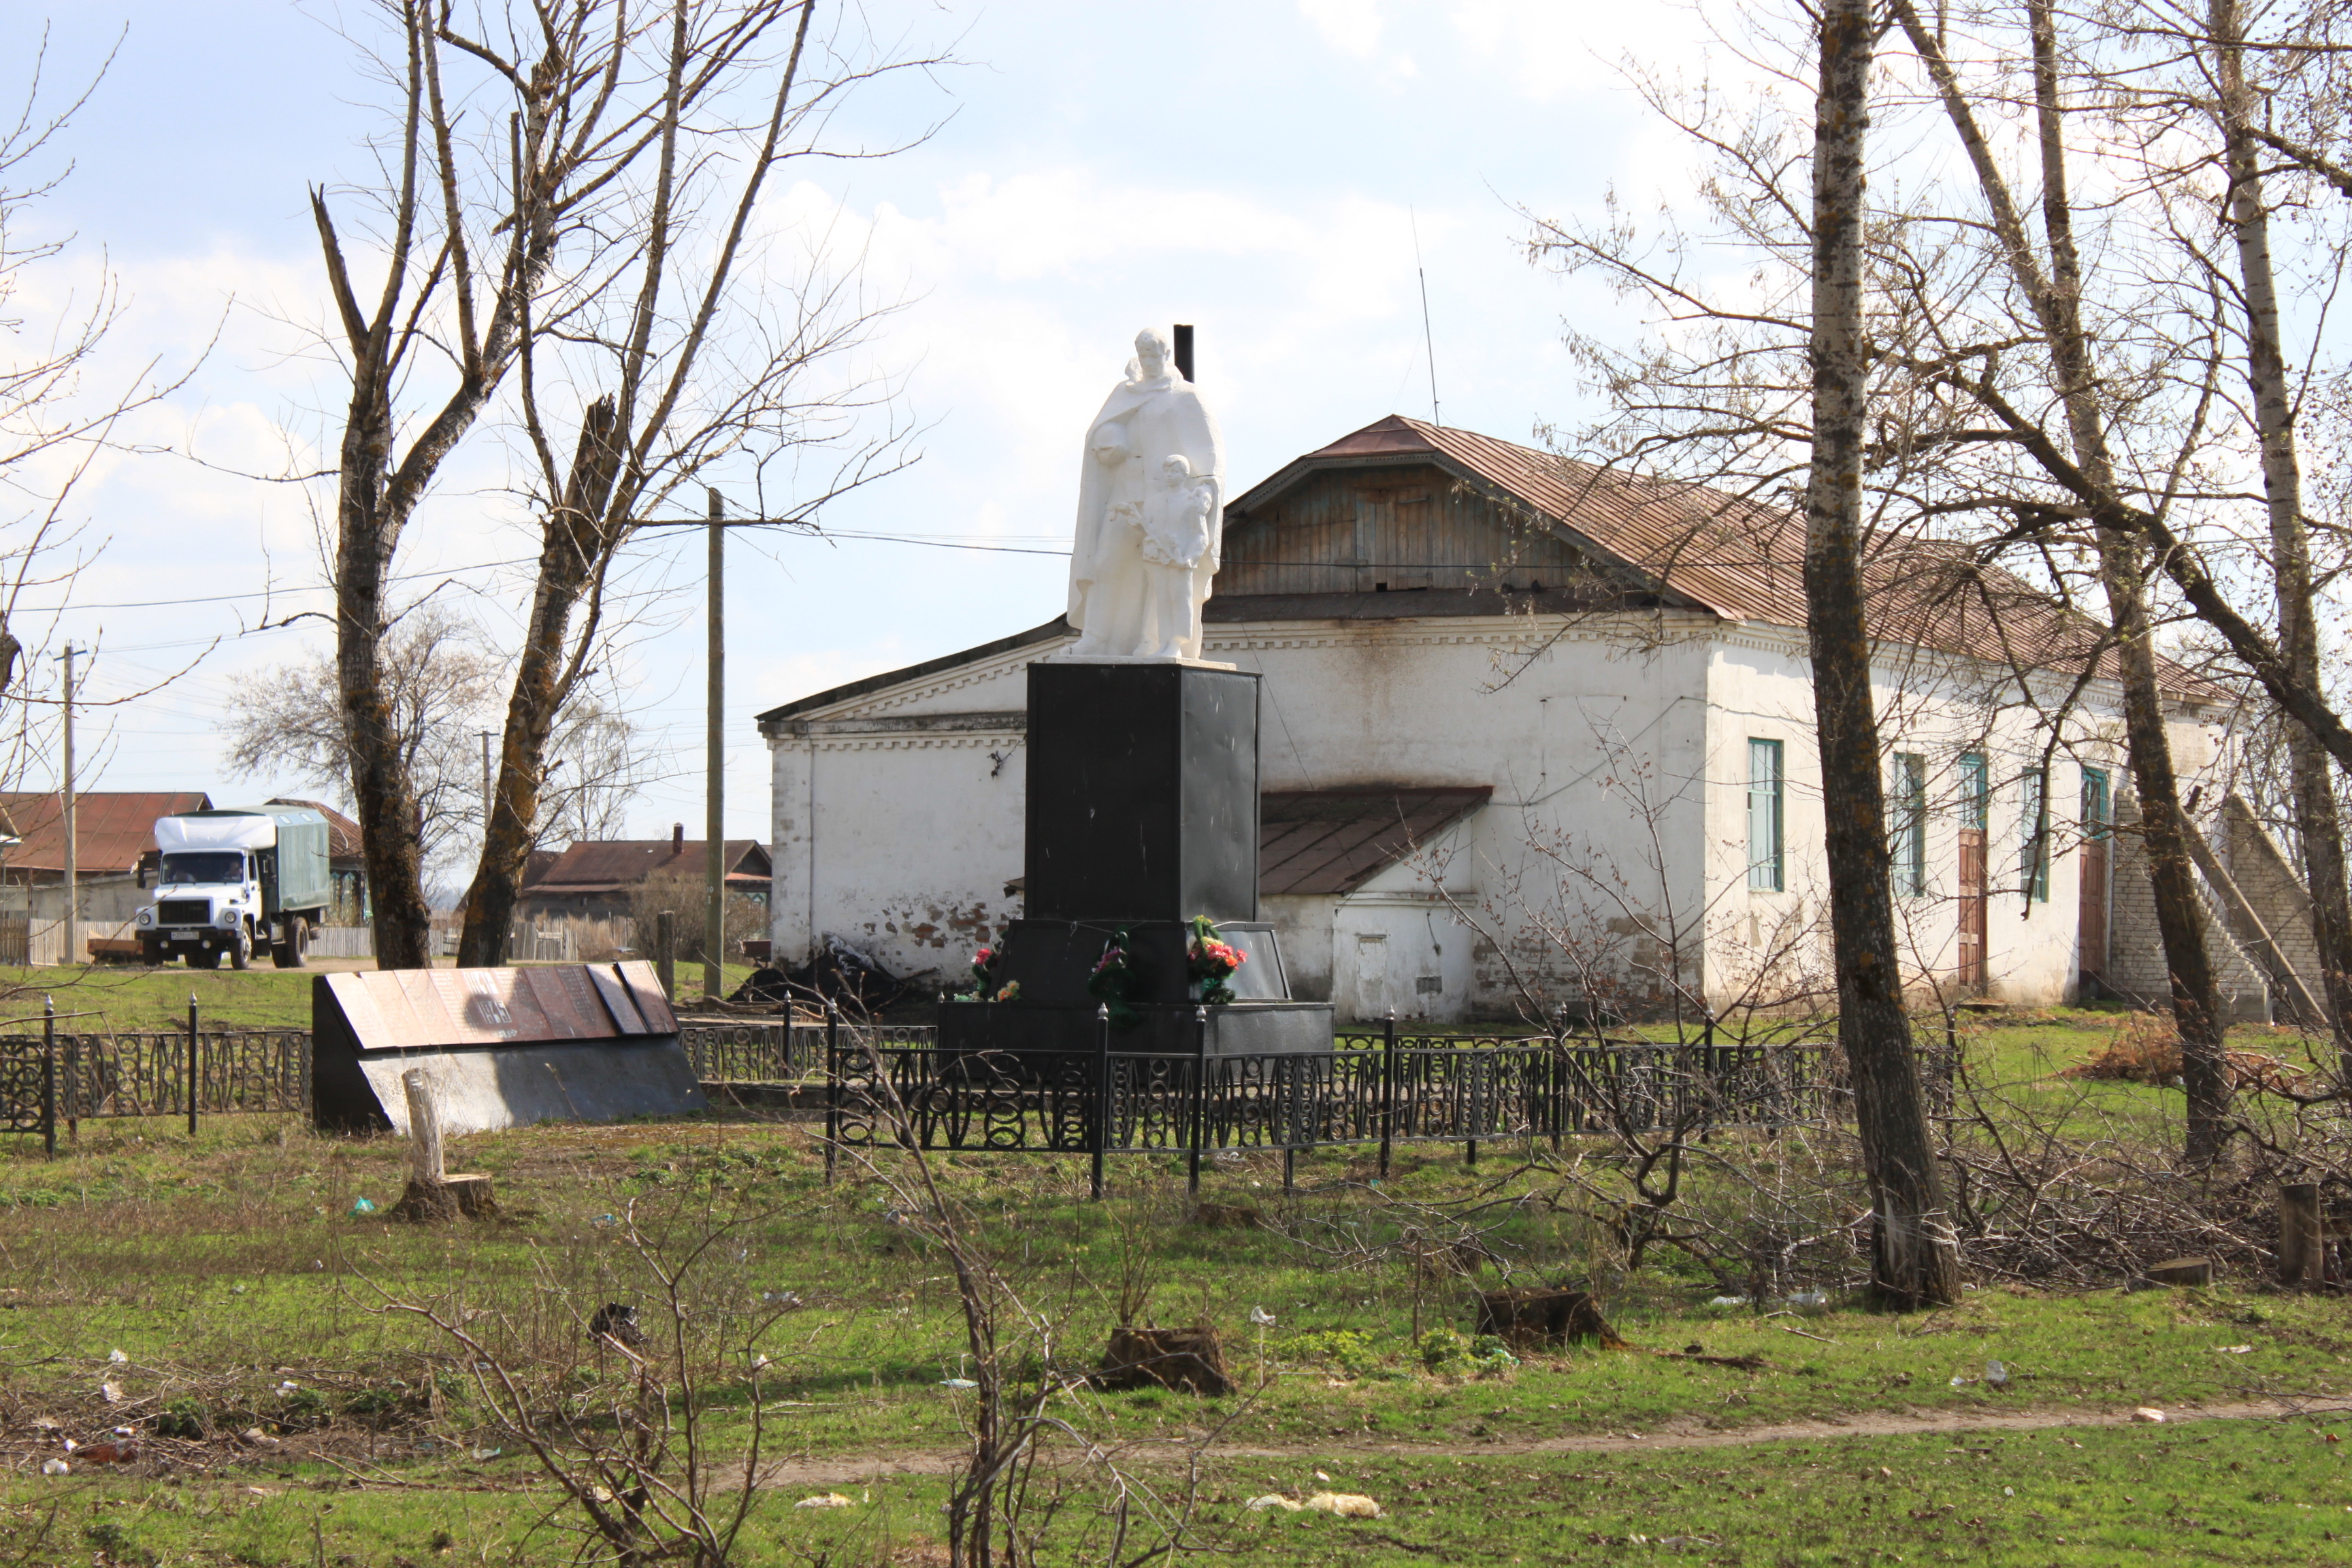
(1142, 816)
(1143, 793)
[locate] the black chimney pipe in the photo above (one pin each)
(1184, 351)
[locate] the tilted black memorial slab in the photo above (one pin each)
(1142, 816)
(503, 1047)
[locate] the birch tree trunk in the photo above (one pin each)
(1914, 1256)
(2318, 825)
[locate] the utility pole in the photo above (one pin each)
(714, 978)
(66, 810)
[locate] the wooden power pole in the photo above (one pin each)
(714, 979)
(65, 811)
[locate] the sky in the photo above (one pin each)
(1270, 172)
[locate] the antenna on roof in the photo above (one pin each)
(1428, 340)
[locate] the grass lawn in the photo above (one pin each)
(232, 1300)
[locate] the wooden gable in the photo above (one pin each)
(1387, 528)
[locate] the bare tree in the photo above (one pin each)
(1914, 1259)
(438, 679)
(441, 680)
(549, 185)
(2319, 827)
(2049, 274)
(53, 425)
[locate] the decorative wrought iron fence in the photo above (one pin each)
(779, 1053)
(1423, 1091)
(146, 1073)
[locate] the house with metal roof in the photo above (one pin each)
(598, 878)
(1534, 735)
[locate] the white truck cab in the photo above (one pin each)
(232, 881)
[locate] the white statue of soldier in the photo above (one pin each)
(1150, 515)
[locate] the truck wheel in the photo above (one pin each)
(204, 957)
(240, 955)
(292, 952)
(151, 953)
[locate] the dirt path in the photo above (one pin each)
(848, 1469)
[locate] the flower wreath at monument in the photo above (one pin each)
(983, 980)
(1211, 960)
(1113, 981)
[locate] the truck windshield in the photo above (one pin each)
(205, 865)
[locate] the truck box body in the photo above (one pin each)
(289, 845)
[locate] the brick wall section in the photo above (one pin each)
(2136, 967)
(2268, 879)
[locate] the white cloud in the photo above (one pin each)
(1350, 26)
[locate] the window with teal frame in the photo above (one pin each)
(1976, 794)
(2033, 835)
(1767, 861)
(1906, 819)
(2098, 804)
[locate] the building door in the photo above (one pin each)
(2091, 918)
(1973, 820)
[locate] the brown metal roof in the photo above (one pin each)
(608, 865)
(1712, 551)
(112, 828)
(1335, 840)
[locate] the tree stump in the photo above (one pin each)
(454, 1194)
(1533, 1317)
(433, 1193)
(1178, 1358)
(2181, 1271)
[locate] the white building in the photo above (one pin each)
(1532, 737)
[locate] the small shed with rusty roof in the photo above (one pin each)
(1533, 735)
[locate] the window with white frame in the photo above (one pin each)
(2033, 835)
(1767, 859)
(1906, 821)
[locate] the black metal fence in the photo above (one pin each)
(779, 1053)
(66, 1077)
(1370, 1089)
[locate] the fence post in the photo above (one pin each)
(193, 1077)
(1471, 1100)
(832, 1082)
(1102, 1094)
(1388, 1088)
(665, 955)
(1200, 1098)
(2303, 1247)
(49, 1077)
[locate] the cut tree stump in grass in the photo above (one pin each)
(2181, 1271)
(1179, 1359)
(433, 1193)
(1532, 1317)
(454, 1194)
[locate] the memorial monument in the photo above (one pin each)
(1142, 817)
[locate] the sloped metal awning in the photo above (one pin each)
(1333, 841)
